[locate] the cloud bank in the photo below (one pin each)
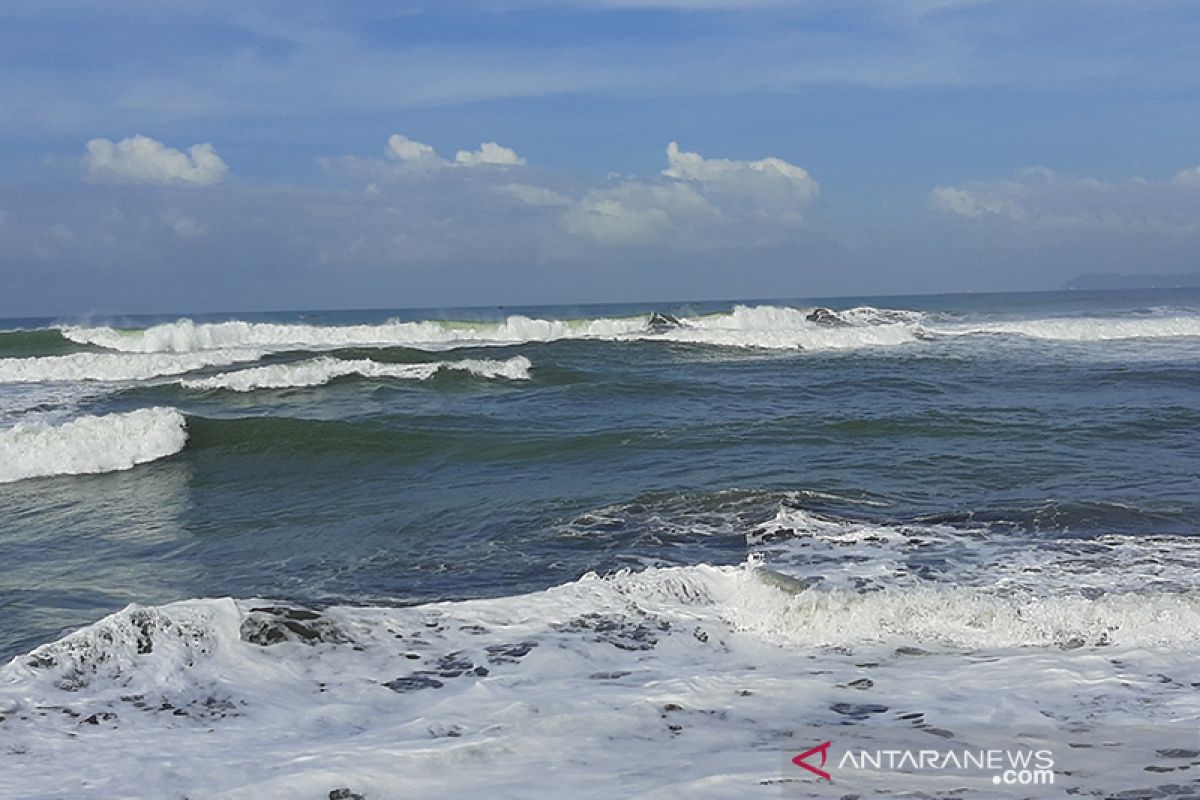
(1038, 198)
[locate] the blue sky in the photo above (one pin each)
(854, 147)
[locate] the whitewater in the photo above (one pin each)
(647, 550)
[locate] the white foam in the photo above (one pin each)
(115, 367)
(782, 328)
(187, 336)
(768, 327)
(319, 371)
(90, 444)
(1084, 329)
(667, 682)
(760, 326)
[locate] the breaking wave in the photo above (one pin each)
(186, 336)
(319, 371)
(1083, 329)
(745, 326)
(90, 444)
(703, 659)
(115, 367)
(768, 327)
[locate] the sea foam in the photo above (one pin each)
(766, 327)
(90, 444)
(745, 326)
(319, 371)
(115, 367)
(680, 676)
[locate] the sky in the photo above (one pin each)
(185, 156)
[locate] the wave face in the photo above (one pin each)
(115, 367)
(319, 371)
(766, 327)
(90, 444)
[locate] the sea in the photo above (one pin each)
(756, 549)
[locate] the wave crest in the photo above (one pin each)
(319, 371)
(90, 444)
(115, 367)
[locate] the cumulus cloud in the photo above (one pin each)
(140, 159)
(1039, 198)
(411, 154)
(489, 153)
(402, 148)
(692, 197)
(695, 167)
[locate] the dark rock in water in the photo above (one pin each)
(509, 653)
(1179, 753)
(454, 665)
(658, 323)
(911, 651)
(345, 794)
(825, 316)
(414, 682)
(621, 632)
(276, 624)
(861, 683)
(858, 711)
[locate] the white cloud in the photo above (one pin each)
(1039, 198)
(1187, 177)
(634, 212)
(693, 197)
(695, 167)
(489, 153)
(537, 196)
(972, 203)
(401, 148)
(140, 159)
(407, 156)
(770, 188)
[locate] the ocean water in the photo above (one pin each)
(605, 551)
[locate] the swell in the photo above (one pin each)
(35, 342)
(398, 439)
